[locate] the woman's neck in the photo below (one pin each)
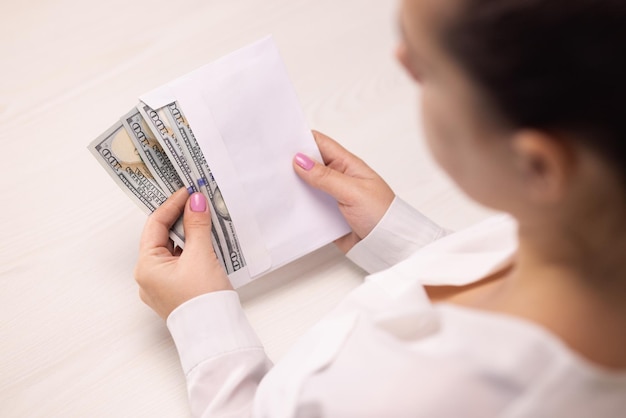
(589, 257)
(576, 289)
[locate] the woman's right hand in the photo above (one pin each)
(363, 196)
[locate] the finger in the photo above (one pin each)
(324, 178)
(156, 231)
(336, 156)
(170, 246)
(197, 224)
(329, 148)
(346, 242)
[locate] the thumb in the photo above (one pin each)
(322, 177)
(197, 224)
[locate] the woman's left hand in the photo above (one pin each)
(168, 278)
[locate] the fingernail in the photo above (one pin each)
(304, 161)
(198, 202)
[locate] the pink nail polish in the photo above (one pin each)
(304, 161)
(198, 202)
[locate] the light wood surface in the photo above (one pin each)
(75, 340)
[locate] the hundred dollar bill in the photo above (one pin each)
(169, 142)
(151, 152)
(160, 126)
(206, 184)
(115, 151)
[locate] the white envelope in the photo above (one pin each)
(246, 117)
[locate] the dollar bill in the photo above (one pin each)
(151, 152)
(206, 184)
(117, 153)
(169, 141)
(160, 127)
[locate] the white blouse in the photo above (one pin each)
(386, 351)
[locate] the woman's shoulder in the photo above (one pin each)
(546, 377)
(469, 363)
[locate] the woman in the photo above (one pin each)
(522, 106)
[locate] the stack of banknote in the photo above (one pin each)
(150, 154)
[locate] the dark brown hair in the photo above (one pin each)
(557, 65)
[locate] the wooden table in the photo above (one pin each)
(75, 340)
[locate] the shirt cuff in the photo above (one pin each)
(401, 232)
(209, 325)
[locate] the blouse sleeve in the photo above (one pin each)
(401, 232)
(221, 356)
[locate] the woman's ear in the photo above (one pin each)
(544, 164)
